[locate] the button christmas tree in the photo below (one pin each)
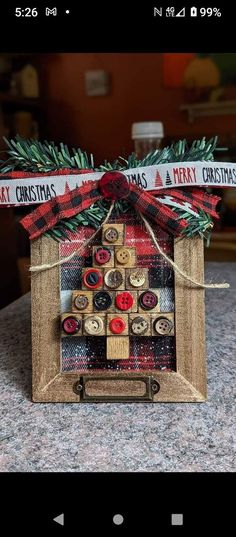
(115, 299)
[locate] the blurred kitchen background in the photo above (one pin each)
(92, 100)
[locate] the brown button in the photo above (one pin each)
(137, 278)
(123, 256)
(163, 326)
(93, 325)
(111, 234)
(81, 302)
(139, 325)
(113, 278)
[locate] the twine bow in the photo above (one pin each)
(113, 185)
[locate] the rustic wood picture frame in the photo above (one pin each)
(186, 384)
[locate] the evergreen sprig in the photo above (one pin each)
(201, 224)
(177, 152)
(34, 156)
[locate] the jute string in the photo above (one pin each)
(40, 268)
(176, 268)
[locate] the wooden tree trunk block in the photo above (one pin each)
(117, 348)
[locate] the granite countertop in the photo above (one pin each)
(127, 437)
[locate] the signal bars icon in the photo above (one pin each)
(181, 13)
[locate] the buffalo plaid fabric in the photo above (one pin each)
(155, 210)
(198, 198)
(89, 353)
(48, 214)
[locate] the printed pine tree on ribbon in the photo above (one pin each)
(158, 179)
(168, 179)
(67, 188)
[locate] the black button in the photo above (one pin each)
(102, 300)
(92, 278)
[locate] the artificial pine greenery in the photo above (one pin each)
(201, 225)
(178, 152)
(34, 156)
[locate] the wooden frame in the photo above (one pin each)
(187, 384)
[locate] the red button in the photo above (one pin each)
(117, 325)
(92, 278)
(71, 325)
(102, 256)
(148, 300)
(114, 185)
(124, 301)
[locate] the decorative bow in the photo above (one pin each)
(113, 185)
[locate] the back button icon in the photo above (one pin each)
(59, 519)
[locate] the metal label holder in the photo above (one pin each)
(152, 387)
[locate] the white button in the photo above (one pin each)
(137, 278)
(163, 326)
(113, 278)
(93, 325)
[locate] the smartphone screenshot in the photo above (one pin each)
(118, 267)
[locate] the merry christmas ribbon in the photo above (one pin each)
(113, 185)
(24, 188)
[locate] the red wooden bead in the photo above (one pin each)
(114, 185)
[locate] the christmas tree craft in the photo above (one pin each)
(117, 268)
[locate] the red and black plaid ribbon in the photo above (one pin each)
(114, 185)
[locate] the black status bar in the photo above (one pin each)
(118, 27)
